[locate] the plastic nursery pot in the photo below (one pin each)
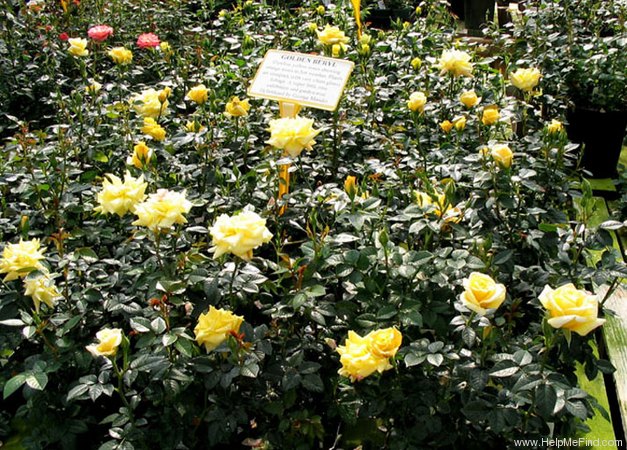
(477, 13)
(601, 135)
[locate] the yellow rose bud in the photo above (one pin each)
(384, 343)
(42, 290)
(320, 9)
(109, 341)
(525, 79)
(555, 127)
(418, 10)
(215, 326)
(357, 359)
(239, 234)
(312, 27)
(237, 108)
(164, 94)
(446, 126)
(121, 55)
(93, 88)
(446, 211)
(416, 63)
(292, 135)
(417, 101)
(332, 35)
(153, 129)
(141, 156)
(459, 123)
(162, 210)
(482, 293)
(571, 308)
(455, 62)
(117, 197)
(406, 25)
(364, 49)
(365, 39)
(18, 260)
(350, 186)
(336, 50)
(165, 47)
(503, 155)
(78, 47)
(147, 104)
(198, 94)
(469, 99)
(194, 127)
(490, 115)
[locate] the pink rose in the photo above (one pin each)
(100, 32)
(146, 40)
(64, 36)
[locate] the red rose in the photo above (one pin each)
(64, 36)
(146, 40)
(100, 32)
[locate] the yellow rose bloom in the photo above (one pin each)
(109, 339)
(42, 290)
(239, 234)
(165, 47)
(350, 186)
(481, 293)
(455, 62)
(459, 123)
(198, 94)
(336, 50)
(311, 26)
(446, 126)
(332, 35)
(416, 63)
(121, 55)
(320, 9)
(502, 155)
(469, 99)
(417, 101)
(147, 104)
(117, 197)
(93, 88)
(214, 327)
(357, 360)
(162, 210)
(194, 127)
(555, 127)
(237, 108)
(490, 115)
(153, 129)
(525, 79)
(78, 47)
(141, 156)
(571, 308)
(384, 343)
(446, 211)
(292, 135)
(21, 258)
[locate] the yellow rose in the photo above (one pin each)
(332, 35)
(365, 39)
(502, 154)
(555, 127)
(198, 94)
(162, 210)
(446, 211)
(384, 343)
(455, 62)
(469, 99)
(417, 101)
(194, 127)
(423, 199)
(459, 123)
(481, 293)
(117, 197)
(350, 186)
(165, 47)
(93, 88)
(525, 79)
(357, 360)
(446, 126)
(320, 9)
(239, 234)
(416, 63)
(153, 129)
(571, 308)
(141, 156)
(147, 104)
(121, 55)
(42, 290)
(237, 108)
(20, 259)
(78, 47)
(490, 115)
(214, 327)
(292, 135)
(311, 26)
(109, 341)
(164, 94)
(364, 49)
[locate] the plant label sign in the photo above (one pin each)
(302, 79)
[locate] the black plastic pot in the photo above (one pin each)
(601, 135)
(383, 18)
(478, 13)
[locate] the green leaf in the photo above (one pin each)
(14, 384)
(546, 398)
(250, 370)
(37, 380)
(435, 359)
(313, 382)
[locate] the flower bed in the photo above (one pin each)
(420, 282)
